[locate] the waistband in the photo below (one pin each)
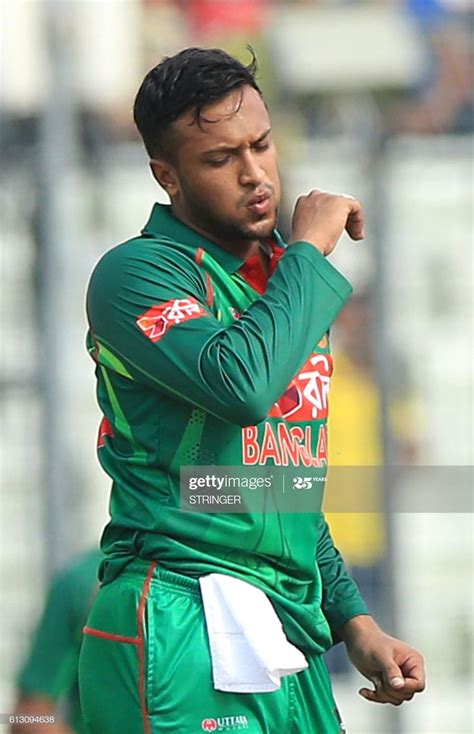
(143, 568)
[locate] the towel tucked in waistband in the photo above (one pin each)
(249, 650)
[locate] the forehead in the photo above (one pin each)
(234, 119)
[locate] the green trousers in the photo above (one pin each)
(145, 668)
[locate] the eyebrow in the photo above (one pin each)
(234, 149)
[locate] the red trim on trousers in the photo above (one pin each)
(141, 646)
(110, 636)
(139, 641)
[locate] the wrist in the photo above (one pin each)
(323, 249)
(362, 624)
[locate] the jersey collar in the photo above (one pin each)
(163, 223)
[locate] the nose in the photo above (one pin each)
(251, 172)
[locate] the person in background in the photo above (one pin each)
(47, 682)
(210, 17)
(443, 101)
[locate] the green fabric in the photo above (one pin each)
(51, 666)
(178, 693)
(201, 392)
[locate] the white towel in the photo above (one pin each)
(249, 650)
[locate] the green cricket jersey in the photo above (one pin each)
(51, 665)
(200, 361)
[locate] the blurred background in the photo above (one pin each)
(368, 97)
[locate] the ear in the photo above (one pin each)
(165, 174)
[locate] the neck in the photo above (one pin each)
(242, 248)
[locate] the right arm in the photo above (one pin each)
(235, 373)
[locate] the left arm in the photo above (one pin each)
(395, 668)
(341, 598)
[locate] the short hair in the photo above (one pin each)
(190, 80)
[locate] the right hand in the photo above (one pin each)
(320, 218)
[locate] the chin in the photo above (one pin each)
(262, 229)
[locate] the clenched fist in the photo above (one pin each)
(320, 218)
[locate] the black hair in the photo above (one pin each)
(190, 80)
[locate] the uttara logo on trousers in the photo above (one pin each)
(225, 723)
(209, 725)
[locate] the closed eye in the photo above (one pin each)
(262, 145)
(217, 162)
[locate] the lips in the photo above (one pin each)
(260, 203)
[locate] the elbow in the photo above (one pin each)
(244, 398)
(253, 416)
(250, 412)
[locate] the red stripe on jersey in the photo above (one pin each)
(105, 429)
(209, 290)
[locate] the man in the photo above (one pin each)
(47, 683)
(204, 330)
